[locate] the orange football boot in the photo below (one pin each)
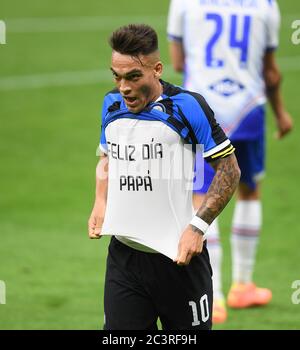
(219, 314)
(242, 295)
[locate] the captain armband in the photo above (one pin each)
(225, 152)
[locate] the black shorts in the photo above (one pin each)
(142, 287)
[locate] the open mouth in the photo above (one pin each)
(130, 100)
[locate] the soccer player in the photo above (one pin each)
(226, 51)
(157, 264)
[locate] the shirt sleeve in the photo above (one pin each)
(208, 132)
(273, 25)
(175, 20)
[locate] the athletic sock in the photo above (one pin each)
(245, 234)
(215, 254)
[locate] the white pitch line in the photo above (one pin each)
(94, 23)
(70, 24)
(54, 79)
(36, 81)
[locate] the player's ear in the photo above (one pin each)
(158, 69)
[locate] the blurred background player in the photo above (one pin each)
(226, 51)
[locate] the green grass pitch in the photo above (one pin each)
(53, 76)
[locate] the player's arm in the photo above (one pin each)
(218, 151)
(223, 186)
(271, 73)
(97, 216)
(272, 78)
(177, 55)
(175, 30)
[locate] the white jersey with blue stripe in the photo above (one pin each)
(224, 43)
(150, 179)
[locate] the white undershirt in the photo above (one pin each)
(148, 220)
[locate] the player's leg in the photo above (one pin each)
(127, 305)
(246, 227)
(183, 294)
(214, 247)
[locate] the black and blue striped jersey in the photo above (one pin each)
(189, 109)
(151, 161)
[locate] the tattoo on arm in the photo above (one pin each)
(224, 184)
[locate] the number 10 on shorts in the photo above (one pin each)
(202, 306)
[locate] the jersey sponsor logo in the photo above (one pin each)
(227, 87)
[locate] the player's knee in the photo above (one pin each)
(245, 192)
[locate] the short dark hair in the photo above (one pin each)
(134, 40)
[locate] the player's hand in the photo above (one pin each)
(284, 124)
(190, 244)
(95, 224)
